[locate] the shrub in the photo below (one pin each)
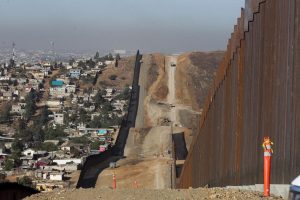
(113, 77)
(26, 181)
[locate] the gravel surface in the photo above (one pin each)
(138, 194)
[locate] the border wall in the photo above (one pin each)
(256, 92)
(88, 178)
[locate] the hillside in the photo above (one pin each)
(123, 73)
(195, 72)
(194, 75)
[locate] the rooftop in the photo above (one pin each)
(57, 83)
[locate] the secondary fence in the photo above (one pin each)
(256, 92)
(88, 177)
(129, 121)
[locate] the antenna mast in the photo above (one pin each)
(13, 51)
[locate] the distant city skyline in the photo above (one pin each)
(169, 26)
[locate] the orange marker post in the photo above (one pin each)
(268, 151)
(135, 185)
(114, 183)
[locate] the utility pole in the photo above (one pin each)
(53, 51)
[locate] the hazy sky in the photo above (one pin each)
(88, 25)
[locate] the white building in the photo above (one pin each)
(20, 109)
(65, 161)
(28, 152)
(109, 62)
(56, 176)
(70, 89)
(59, 118)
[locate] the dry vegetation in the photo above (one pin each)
(123, 73)
(194, 76)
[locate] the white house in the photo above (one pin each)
(59, 118)
(70, 89)
(56, 176)
(65, 161)
(28, 152)
(18, 109)
(55, 142)
(109, 62)
(75, 73)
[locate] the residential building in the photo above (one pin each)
(59, 118)
(56, 176)
(75, 73)
(28, 152)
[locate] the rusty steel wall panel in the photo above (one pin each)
(256, 92)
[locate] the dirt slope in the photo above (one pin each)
(147, 159)
(124, 73)
(167, 194)
(194, 76)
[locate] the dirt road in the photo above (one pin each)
(171, 62)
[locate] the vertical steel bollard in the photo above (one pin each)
(267, 146)
(114, 184)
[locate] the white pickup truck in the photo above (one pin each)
(295, 189)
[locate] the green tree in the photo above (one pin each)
(95, 145)
(113, 77)
(99, 100)
(90, 63)
(83, 116)
(115, 120)
(69, 118)
(118, 57)
(41, 86)
(107, 107)
(11, 63)
(97, 56)
(17, 148)
(30, 101)
(110, 57)
(57, 133)
(8, 164)
(5, 113)
(80, 140)
(26, 135)
(71, 61)
(38, 134)
(17, 145)
(44, 115)
(96, 122)
(81, 64)
(125, 94)
(26, 181)
(48, 146)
